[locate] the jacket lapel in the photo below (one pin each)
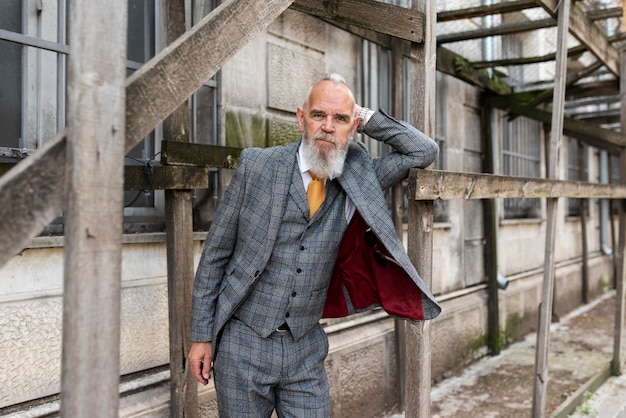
(285, 168)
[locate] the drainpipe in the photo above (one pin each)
(604, 205)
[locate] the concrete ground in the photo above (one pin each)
(580, 385)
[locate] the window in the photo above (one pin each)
(33, 51)
(32, 73)
(577, 170)
(521, 141)
(521, 156)
(376, 87)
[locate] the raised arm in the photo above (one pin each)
(412, 148)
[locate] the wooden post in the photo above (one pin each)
(617, 362)
(583, 227)
(545, 311)
(94, 209)
(397, 192)
(180, 265)
(420, 238)
(490, 221)
(180, 273)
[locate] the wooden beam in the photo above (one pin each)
(384, 18)
(155, 90)
(571, 78)
(620, 292)
(572, 52)
(90, 364)
(31, 195)
(455, 65)
(602, 14)
(587, 33)
(482, 11)
(598, 137)
(399, 50)
(422, 79)
(506, 29)
(199, 155)
(449, 185)
(577, 50)
(593, 89)
(179, 243)
(491, 236)
(168, 177)
(542, 350)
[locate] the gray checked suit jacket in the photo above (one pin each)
(246, 225)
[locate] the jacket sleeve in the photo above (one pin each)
(411, 148)
(217, 252)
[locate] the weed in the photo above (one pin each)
(586, 408)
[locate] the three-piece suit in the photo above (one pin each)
(266, 265)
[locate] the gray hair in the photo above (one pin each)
(335, 78)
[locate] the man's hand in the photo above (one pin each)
(200, 357)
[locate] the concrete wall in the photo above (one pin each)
(361, 364)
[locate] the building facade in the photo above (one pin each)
(252, 102)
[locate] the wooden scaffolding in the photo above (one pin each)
(108, 114)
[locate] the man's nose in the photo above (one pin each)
(328, 124)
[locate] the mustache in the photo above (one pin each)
(325, 136)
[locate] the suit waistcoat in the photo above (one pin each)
(293, 286)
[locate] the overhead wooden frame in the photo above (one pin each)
(388, 19)
(585, 30)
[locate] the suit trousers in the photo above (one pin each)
(255, 376)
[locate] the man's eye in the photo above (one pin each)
(318, 116)
(341, 118)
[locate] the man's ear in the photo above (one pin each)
(300, 115)
(355, 125)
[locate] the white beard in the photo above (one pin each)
(326, 166)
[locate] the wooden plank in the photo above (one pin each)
(155, 90)
(200, 155)
(588, 34)
(583, 205)
(490, 251)
(420, 216)
(482, 11)
(571, 78)
(31, 196)
(603, 14)
(574, 51)
(384, 18)
(541, 379)
(158, 177)
(592, 135)
(620, 304)
(446, 185)
(398, 52)
(180, 274)
(505, 29)
(457, 66)
(179, 243)
(90, 364)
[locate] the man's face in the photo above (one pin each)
(327, 116)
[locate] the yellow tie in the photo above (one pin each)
(316, 193)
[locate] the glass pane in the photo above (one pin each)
(10, 76)
(140, 41)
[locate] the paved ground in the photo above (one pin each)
(581, 347)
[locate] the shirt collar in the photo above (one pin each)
(304, 165)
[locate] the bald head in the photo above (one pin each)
(332, 85)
